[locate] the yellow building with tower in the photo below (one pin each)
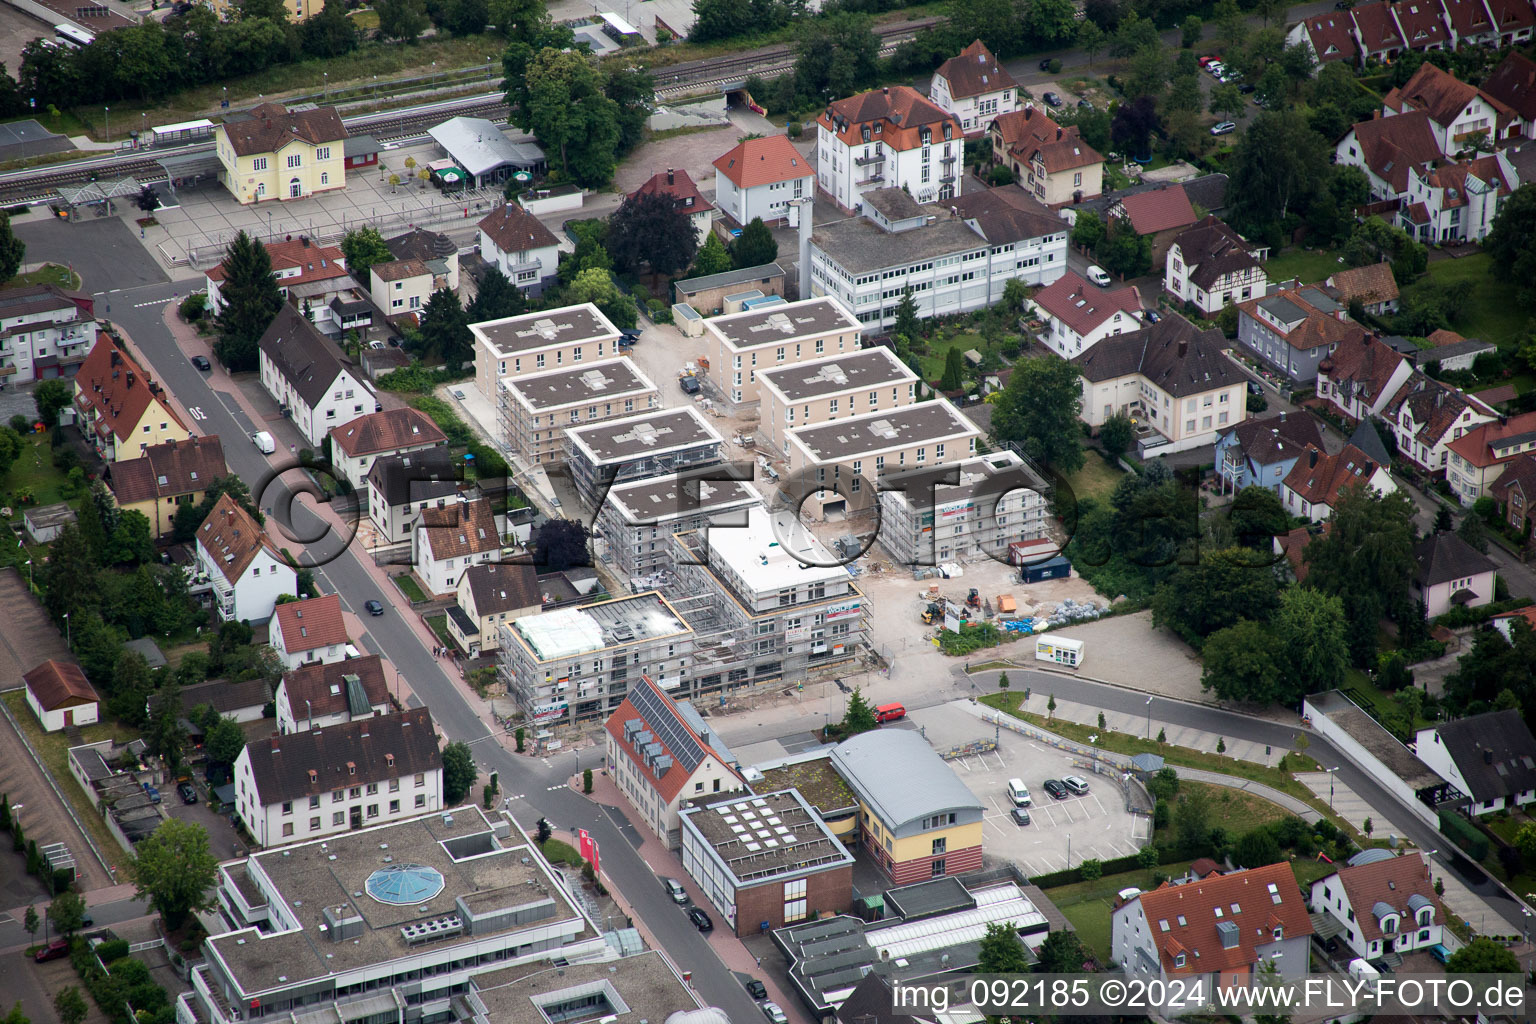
(271, 152)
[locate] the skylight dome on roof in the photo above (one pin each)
(401, 885)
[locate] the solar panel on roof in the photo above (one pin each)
(680, 742)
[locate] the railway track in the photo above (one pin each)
(770, 60)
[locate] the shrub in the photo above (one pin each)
(1000, 175)
(1092, 869)
(113, 949)
(586, 780)
(1054, 67)
(193, 307)
(21, 424)
(794, 129)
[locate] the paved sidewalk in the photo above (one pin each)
(1300, 808)
(1138, 725)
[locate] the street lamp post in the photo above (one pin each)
(68, 642)
(107, 111)
(1330, 786)
(325, 88)
(1069, 851)
(1149, 718)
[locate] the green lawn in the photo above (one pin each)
(1306, 265)
(1492, 313)
(1238, 812)
(1364, 689)
(561, 853)
(933, 363)
(409, 587)
(1097, 478)
(48, 273)
(439, 625)
(35, 471)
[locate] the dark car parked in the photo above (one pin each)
(756, 989)
(700, 920)
(1056, 788)
(1020, 816)
(374, 607)
(53, 951)
(1052, 100)
(186, 792)
(201, 362)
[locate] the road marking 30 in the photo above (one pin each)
(197, 413)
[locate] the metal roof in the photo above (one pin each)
(480, 147)
(925, 784)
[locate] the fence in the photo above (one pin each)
(969, 749)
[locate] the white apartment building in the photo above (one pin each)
(520, 246)
(312, 783)
(306, 375)
(355, 446)
(953, 258)
(400, 287)
(759, 178)
(660, 442)
(962, 511)
(828, 389)
(888, 138)
(975, 88)
(1079, 315)
(44, 333)
(1212, 266)
(637, 519)
(537, 409)
(400, 487)
(244, 567)
(309, 630)
(531, 342)
(740, 344)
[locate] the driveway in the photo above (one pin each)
(102, 250)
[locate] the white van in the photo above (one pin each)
(263, 442)
(1018, 793)
(1097, 275)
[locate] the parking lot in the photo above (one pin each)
(1096, 825)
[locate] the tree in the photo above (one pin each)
(858, 716)
(755, 246)
(52, 397)
(1257, 849)
(836, 54)
(148, 200)
(13, 251)
(175, 870)
(1150, 70)
(467, 17)
(711, 257)
(459, 772)
(563, 102)
(1367, 826)
(586, 780)
(70, 1005)
(907, 324)
(597, 287)
(251, 301)
(445, 329)
(1050, 706)
(1090, 39)
(224, 741)
(1001, 952)
(165, 733)
(1275, 169)
(1308, 628)
(1474, 532)
(1192, 823)
(31, 923)
(329, 33)
(403, 20)
(1240, 664)
(1511, 242)
(495, 298)
(16, 1016)
(1257, 517)
(1165, 784)
(1039, 410)
(953, 378)
(1226, 98)
(1483, 956)
(1125, 253)
(1366, 561)
(363, 247)
(1050, 23)
(559, 544)
(542, 832)
(1134, 124)
(1062, 952)
(1444, 523)
(1015, 295)
(1088, 230)
(1002, 684)
(1214, 592)
(649, 229)
(10, 449)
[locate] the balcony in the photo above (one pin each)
(947, 159)
(865, 161)
(873, 179)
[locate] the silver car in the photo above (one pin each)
(1077, 784)
(774, 1013)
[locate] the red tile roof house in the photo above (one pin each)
(357, 444)
(1455, 202)
(686, 198)
(1294, 330)
(757, 178)
(1515, 491)
(1361, 376)
(318, 695)
(119, 407)
(1160, 212)
(975, 88)
(1456, 110)
(1384, 905)
(60, 696)
(1471, 23)
(1373, 284)
(1213, 266)
(296, 263)
(1386, 147)
(1311, 489)
(1505, 622)
(520, 246)
(1514, 19)
(1422, 24)
(1513, 83)
(309, 630)
(1050, 162)
(1079, 315)
(893, 137)
(1330, 35)
(1480, 456)
(658, 758)
(1426, 415)
(1219, 930)
(1377, 33)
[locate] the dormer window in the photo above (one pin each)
(1279, 932)
(1180, 960)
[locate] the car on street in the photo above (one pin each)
(756, 989)
(1077, 784)
(1224, 128)
(690, 385)
(700, 920)
(1084, 104)
(1051, 99)
(152, 793)
(1254, 388)
(1020, 816)
(1045, 65)
(202, 363)
(675, 890)
(775, 1013)
(53, 951)
(1056, 789)
(1214, 69)
(1098, 276)
(629, 335)
(373, 607)
(1153, 316)
(1208, 59)
(186, 792)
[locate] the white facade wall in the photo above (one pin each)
(770, 202)
(1421, 932)
(277, 823)
(975, 112)
(1067, 343)
(441, 575)
(711, 776)
(293, 659)
(254, 595)
(345, 400)
(289, 721)
(53, 721)
(354, 468)
(405, 295)
(846, 172)
(1228, 289)
(526, 269)
(64, 332)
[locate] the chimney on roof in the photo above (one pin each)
(885, 89)
(1058, 132)
(1487, 757)
(670, 177)
(1311, 458)
(1183, 347)
(304, 241)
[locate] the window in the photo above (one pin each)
(373, 789)
(287, 806)
(323, 153)
(314, 823)
(259, 164)
(938, 868)
(394, 785)
(939, 845)
(373, 810)
(314, 802)
(421, 800)
(394, 807)
(295, 160)
(287, 829)
(794, 900)
(337, 796)
(325, 178)
(338, 817)
(1179, 960)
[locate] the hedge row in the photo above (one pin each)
(1114, 866)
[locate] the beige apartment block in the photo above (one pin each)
(537, 409)
(741, 344)
(805, 394)
(534, 342)
(845, 458)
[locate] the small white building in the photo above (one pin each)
(1079, 315)
(759, 178)
(356, 445)
(401, 486)
(309, 630)
(1450, 573)
(317, 782)
(319, 694)
(242, 564)
(520, 246)
(400, 287)
(307, 375)
(48, 333)
(1212, 266)
(447, 541)
(975, 88)
(60, 696)
(320, 270)
(893, 137)
(1384, 904)
(1488, 757)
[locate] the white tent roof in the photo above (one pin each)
(562, 633)
(480, 147)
